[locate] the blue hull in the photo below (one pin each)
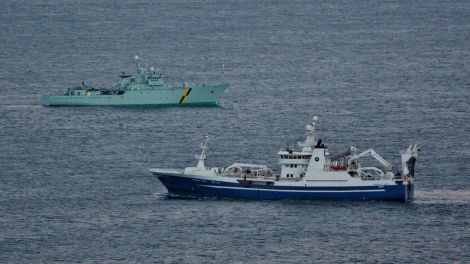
(189, 187)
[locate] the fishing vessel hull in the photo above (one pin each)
(208, 94)
(190, 186)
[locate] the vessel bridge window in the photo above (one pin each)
(295, 156)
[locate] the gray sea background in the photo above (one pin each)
(74, 181)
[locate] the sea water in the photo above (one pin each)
(74, 181)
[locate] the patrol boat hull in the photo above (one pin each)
(208, 94)
(146, 87)
(196, 187)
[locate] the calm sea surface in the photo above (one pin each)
(74, 181)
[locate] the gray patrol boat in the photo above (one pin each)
(145, 88)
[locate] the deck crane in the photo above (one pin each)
(369, 152)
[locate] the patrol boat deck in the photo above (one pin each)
(309, 172)
(146, 88)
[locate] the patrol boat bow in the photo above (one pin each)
(146, 88)
(308, 172)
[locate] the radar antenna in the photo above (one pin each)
(310, 131)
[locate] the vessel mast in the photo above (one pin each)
(310, 131)
(202, 157)
(138, 64)
(223, 79)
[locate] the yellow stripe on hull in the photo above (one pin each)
(185, 96)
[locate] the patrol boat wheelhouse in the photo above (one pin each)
(146, 88)
(309, 172)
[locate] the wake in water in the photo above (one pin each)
(442, 196)
(161, 196)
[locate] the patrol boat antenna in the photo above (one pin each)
(222, 78)
(139, 63)
(202, 157)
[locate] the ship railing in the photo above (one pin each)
(398, 177)
(377, 178)
(175, 171)
(370, 178)
(291, 149)
(268, 178)
(296, 179)
(248, 176)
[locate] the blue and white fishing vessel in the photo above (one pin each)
(307, 172)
